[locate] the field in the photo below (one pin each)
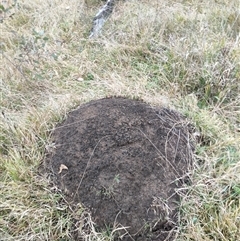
(181, 54)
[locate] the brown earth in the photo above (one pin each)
(125, 160)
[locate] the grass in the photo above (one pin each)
(182, 54)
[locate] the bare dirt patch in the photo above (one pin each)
(123, 160)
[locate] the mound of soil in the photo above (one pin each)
(123, 160)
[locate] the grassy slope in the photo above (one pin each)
(183, 54)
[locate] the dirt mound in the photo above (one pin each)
(123, 160)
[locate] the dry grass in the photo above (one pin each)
(176, 53)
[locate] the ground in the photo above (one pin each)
(123, 160)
